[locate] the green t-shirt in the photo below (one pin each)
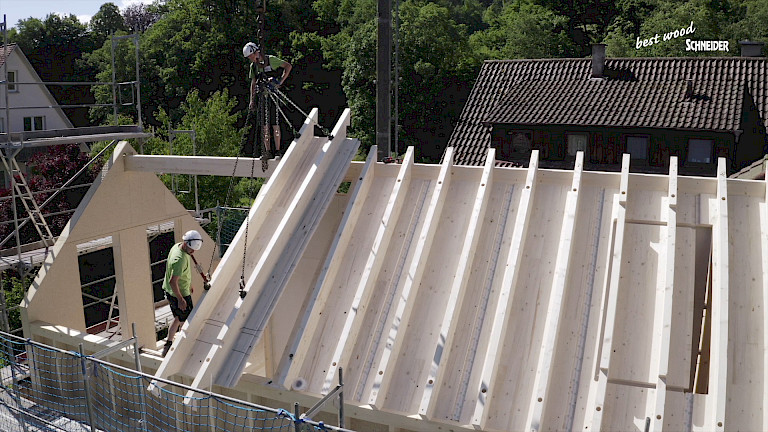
(178, 264)
(272, 64)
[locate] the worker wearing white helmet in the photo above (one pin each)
(178, 281)
(257, 71)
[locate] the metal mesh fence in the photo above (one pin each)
(230, 220)
(49, 389)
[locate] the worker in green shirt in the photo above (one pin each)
(261, 77)
(178, 282)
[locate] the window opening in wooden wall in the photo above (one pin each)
(97, 283)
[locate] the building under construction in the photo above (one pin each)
(435, 297)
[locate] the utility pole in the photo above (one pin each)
(384, 79)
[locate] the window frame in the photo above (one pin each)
(504, 143)
(646, 158)
(689, 146)
(32, 123)
(586, 136)
(13, 88)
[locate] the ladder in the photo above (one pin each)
(21, 187)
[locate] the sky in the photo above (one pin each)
(15, 10)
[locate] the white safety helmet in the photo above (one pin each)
(193, 239)
(250, 48)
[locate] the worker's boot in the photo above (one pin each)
(166, 347)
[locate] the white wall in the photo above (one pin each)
(29, 96)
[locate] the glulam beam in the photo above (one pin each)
(662, 322)
(374, 262)
(416, 269)
(500, 324)
(608, 312)
(718, 361)
(554, 308)
(288, 370)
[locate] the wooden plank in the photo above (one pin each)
(290, 239)
(373, 264)
(415, 272)
(764, 262)
(596, 398)
(235, 311)
(225, 276)
(200, 165)
(219, 166)
(663, 310)
(459, 282)
(416, 268)
(552, 323)
(502, 313)
(289, 367)
(718, 360)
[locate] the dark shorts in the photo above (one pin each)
(178, 313)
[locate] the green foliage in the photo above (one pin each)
(216, 134)
(60, 41)
(752, 21)
(106, 21)
(523, 30)
(124, 72)
(14, 289)
(668, 17)
(138, 17)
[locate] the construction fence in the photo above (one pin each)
(49, 389)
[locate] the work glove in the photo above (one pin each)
(273, 83)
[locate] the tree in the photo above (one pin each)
(588, 20)
(49, 170)
(59, 40)
(106, 22)
(523, 30)
(708, 20)
(750, 21)
(139, 17)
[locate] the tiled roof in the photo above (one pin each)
(11, 47)
(638, 92)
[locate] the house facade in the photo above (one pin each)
(698, 109)
(32, 107)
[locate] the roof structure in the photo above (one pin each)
(670, 93)
(5, 53)
(456, 297)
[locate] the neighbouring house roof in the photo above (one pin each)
(50, 100)
(3, 55)
(636, 92)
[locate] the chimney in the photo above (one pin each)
(598, 60)
(751, 49)
(688, 88)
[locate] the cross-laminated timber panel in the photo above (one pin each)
(218, 339)
(484, 298)
(571, 296)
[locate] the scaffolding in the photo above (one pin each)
(29, 255)
(47, 388)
